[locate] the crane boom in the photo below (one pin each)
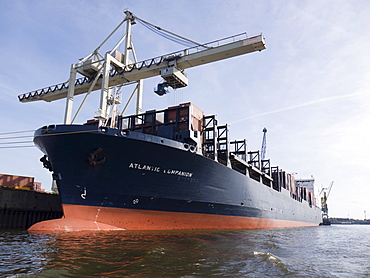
(152, 67)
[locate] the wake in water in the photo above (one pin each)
(274, 259)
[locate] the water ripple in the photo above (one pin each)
(336, 251)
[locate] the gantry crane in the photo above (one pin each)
(117, 69)
(324, 206)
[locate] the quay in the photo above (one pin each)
(20, 209)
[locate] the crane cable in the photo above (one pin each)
(169, 35)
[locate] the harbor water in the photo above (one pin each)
(325, 251)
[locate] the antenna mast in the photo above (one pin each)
(263, 148)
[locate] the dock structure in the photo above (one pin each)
(20, 209)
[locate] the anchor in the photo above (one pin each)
(94, 158)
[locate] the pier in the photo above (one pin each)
(20, 209)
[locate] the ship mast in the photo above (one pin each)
(264, 144)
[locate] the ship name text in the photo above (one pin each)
(144, 167)
(157, 169)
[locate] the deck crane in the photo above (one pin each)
(324, 206)
(117, 69)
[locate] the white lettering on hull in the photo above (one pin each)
(178, 172)
(157, 169)
(144, 167)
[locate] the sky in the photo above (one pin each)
(309, 88)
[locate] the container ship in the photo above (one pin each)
(161, 169)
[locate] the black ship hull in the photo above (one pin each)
(109, 179)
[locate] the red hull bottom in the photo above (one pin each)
(82, 218)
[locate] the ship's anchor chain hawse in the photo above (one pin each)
(95, 158)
